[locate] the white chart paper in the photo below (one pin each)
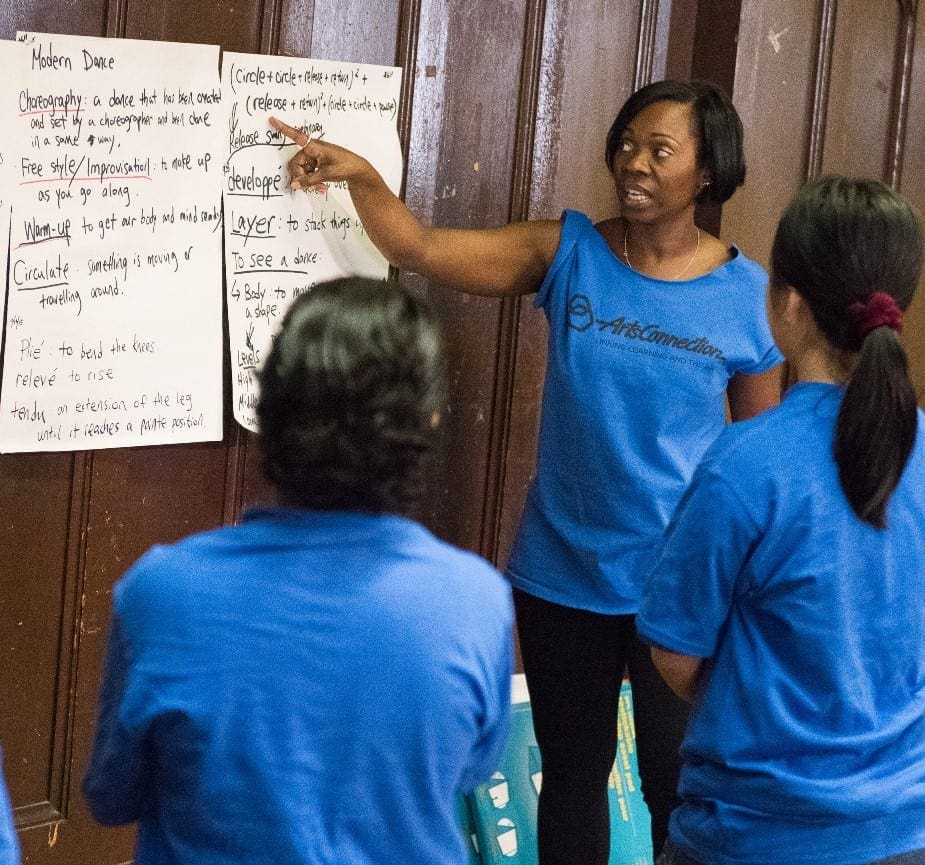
(9, 52)
(278, 243)
(114, 308)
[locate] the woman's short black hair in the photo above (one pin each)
(349, 397)
(717, 127)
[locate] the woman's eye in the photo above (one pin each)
(625, 145)
(662, 152)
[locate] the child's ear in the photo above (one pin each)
(795, 307)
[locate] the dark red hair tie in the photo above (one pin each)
(879, 310)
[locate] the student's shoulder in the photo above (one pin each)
(166, 569)
(916, 462)
(748, 447)
(463, 563)
(741, 471)
(465, 573)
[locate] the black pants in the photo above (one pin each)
(574, 662)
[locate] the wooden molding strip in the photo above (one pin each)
(645, 43)
(270, 26)
(116, 18)
(902, 88)
(823, 76)
(406, 51)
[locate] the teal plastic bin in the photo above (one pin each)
(501, 814)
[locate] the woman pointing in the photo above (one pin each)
(652, 323)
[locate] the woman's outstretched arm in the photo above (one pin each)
(508, 260)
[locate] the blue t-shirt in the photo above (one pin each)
(302, 688)
(9, 841)
(807, 740)
(636, 378)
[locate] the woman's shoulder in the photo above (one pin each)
(730, 270)
(739, 263)
(716, 253)
(577, 231)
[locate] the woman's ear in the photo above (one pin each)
(796, 318)
(794, 307)
(783, 304)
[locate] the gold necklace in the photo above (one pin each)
(680, 273)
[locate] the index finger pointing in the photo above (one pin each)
(296, 135)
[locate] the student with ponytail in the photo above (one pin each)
(788, 599)
(856, 295)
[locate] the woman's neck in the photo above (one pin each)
(660, 241)
(663, 251)
(823, 364)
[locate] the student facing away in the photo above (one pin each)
(318, 683)
(788, 601)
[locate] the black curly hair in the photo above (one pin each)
(349, 397)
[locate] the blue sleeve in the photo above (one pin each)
(690, 590)
(116, 781)
(9, 841)
(753, 291)
(487, 751)
(771, 358)
(572, 224)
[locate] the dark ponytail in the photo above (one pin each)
(876, 426)
(852, 248)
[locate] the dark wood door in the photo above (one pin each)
(503, 116)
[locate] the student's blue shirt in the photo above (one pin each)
(302, 688)
(9, 841)
(807, 740)
(636, 378)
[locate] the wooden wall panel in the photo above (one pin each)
(829, 87)
(346, 30)
(774, 84)
(35, 492)
(674, 39)
(87, 18)
(292, 22)
(236, 26)
(459, 173)
(862, 81)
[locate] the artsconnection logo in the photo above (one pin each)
(581, 317)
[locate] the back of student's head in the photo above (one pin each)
(852, 248)
(349, 397)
